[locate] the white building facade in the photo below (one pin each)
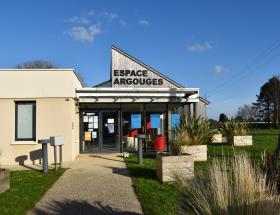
(36, 104)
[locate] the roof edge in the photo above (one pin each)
(205, 101)
(53, 69)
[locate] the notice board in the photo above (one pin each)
(135, 120)
(155, 120)
(175, 120)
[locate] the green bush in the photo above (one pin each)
(194, 131)
(232, 128)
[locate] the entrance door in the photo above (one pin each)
(90, 132)
(110, 131)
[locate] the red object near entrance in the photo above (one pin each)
(133, 133)
(160, 143)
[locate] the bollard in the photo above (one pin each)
(140, 151)
(60, 156)
(44, 154)
(55, 157)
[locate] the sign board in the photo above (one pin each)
(87, 136)
(175, 120)
(135, 120)
(131, 73)
(155, 120)
(110, 120)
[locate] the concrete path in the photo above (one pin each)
(94, 184)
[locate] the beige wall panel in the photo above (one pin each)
(54, 117)
(53, 83)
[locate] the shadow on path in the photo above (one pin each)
(73, 207)
(105, 158)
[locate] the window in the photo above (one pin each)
(25, 121)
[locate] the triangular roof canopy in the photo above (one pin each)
(129, 72)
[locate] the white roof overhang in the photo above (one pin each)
(137, 95)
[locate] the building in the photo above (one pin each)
(39, 103)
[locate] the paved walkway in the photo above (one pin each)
(94, 184)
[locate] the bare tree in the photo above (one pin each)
(42, 64)
(247, 112)
(36, 64)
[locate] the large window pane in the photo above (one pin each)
(25, 121)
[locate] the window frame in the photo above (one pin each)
(33, 103)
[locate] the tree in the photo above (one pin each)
(42, 64)
(223, 117)
(36, 64)
(268, 101)
(246, 112)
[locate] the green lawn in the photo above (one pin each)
(27, 187)
(162, 198)
(156, 198)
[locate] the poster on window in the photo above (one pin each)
(111, 128)
(175, 120)
(135, 120)
(110, 120)
(90, 119)
(94, 135)
(90, 125)
(155, 120)
(87, 136)
(85, 118)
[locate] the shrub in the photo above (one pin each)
(232, 128)
(236, 187)
(196, 131)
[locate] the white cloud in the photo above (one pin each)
(144, 22)
(84, 34)
(78, 20)
(109, 15)
(219, 70)
(200, 47)
(91, 13)
(123, 23)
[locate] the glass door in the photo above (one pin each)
(90, 134)
(110, 131)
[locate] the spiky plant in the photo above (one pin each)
(232, 128)
(194, 131)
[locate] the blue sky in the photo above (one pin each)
(207, 44)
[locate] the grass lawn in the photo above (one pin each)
(156, 198)
(162, 198)
(27, 188)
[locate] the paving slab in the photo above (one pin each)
(94, 184)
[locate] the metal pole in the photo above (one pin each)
(60, 156)
(45, 157)
(140, 153)
(167, 128)
(55, 160)
(145, 125)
